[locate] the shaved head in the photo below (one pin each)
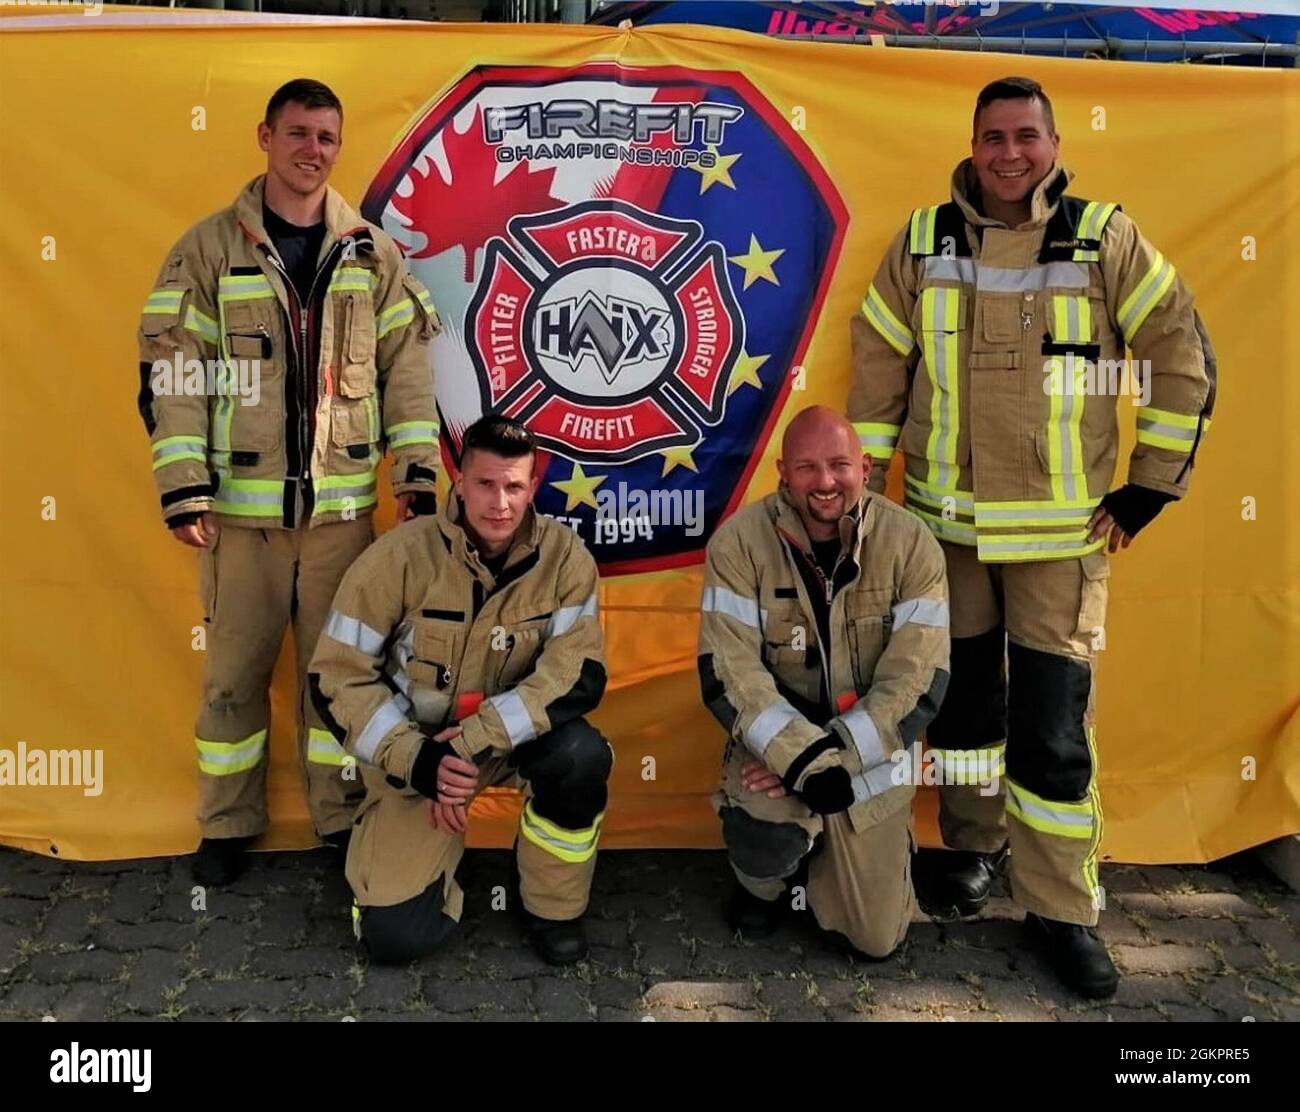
(823, 469)
(814, 424)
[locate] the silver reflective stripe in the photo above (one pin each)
(390, 714)
(867, 785)
(354, 633)
(718, 600)
(922, 611)
(989, 516)
(999, 279)
(866, 738)
(943, 378)
(1030, 546)
(514, 716)
(1042, 810)
(226, 493)
(567, 617)
(767, 724)
(402, 650)
(1065, 275)
(333, 492)
(1147, 424)
(949, 270)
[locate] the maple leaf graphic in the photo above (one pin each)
(473, 208)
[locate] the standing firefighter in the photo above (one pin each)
(462, 652)
(823, 653)
(986, 350)
(283, 344)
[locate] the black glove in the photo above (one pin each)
(424, 503)
(1134, 507)
(184, 519)
(827, 792)
(424, 770)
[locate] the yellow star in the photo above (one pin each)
(678, 457)
(579, 488)
(757, 263)
(745, 372)
(718, 172)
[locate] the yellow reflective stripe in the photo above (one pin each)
(876, 438)
(574, 846)
(356, 278)
(892, 330)
(970, 766)
(1067, 820)
(1071, 323)
(939, 347)
(243, 287)
(1092, 222)
(356, 921)
(923, 224)
(173, 449)
(1053, 512)
(426, 299)
(394, 317)
(340, 493)
(163, 301)
(1169, 417)
(412, 432)
(962, 501)
(225, 758)
(1145, 297)
(1011, 547)
(372, 418)
(249, 497)
(199, 322)
(322, 748)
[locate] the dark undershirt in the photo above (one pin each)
(827, 554)
(298, 248)
(495, 564)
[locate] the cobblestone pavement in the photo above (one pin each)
(121, 941)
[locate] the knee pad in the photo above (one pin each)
(763, 850)
(1047, 744)
(569, 774)
(974, 709)
(406, 931)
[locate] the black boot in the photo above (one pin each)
(954, 884)
(1076, 954)
(557, 942)
(754, 918)
(339, 840)
(220, 860)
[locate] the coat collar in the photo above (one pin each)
(854, 525)
(340, 218)
(1047, 195)
(451, 523)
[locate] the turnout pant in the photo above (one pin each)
(1013, 742)
(403, 871)
(254, 583)
(858, 880)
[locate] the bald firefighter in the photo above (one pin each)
(823, 654)
(989, 350)
(463, 652)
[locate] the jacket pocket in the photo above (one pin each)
(351, 421)
(208, 579)
(1092, 599)
(357, 371)
(255, 428)
(517, 648)
(999, 319)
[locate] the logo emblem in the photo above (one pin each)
(629, 261)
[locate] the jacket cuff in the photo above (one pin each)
(412, 476)
(474, 738)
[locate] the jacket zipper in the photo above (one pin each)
(303, 462)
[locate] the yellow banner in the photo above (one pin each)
(122, 131)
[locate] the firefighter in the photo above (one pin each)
(462, 652)
(823, 654)
(989, 350)
(283, 345)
